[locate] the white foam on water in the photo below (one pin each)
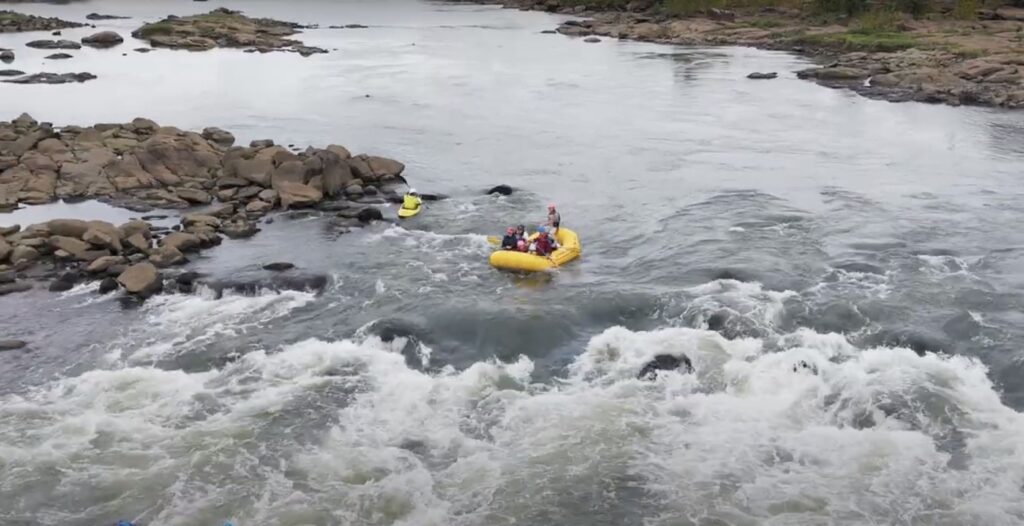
(749, 300)
(194, 319)
(745, 440)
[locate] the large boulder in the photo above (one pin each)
(102, 264)
(335, 174)
(23, 254)
(292, 171)
(103, 235)
(218, 136)
(75, 247)
(182, 241)
(169, 157)
(166, 256)
(141, 279)
(664, 362)
(194, 196)
(103, 39)
(256, 171)
(294, 195)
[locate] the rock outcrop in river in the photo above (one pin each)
(891, 56)
(142, 165)
(12, 22)
(224, 28)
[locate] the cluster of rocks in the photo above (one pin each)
(12, 22)
(224, 28)
(141, 165)
(950, 62)
(935, 76)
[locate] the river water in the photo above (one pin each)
(751, 225)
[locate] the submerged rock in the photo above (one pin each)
(54, 44)
(58, 56)
(762, 76)
(501, 189)
(12, 345)
(97, 16)
(103, 39)
(665, 362)
(279, 266)
(53, 78)
(11, 73)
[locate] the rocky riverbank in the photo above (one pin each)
(896, 58)
(224, 28)
(142, 165)
(12, 22)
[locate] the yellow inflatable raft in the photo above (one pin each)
(568, 250)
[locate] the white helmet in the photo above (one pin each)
(413, 191)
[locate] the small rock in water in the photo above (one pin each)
(52, 78)
(58, 56)
(97, 16)
(762, 76)
(501, 189)
(11, 288)
(279, 266)
(665, 362)
(11, 72)
(549, 32)
(11, 345)
(591, 40)
(108, 285)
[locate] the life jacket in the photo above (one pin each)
(543, 245)
(411, 202)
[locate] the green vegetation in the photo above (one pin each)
(155, 29)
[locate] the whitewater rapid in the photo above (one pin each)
(364, 431)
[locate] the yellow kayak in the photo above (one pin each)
(568, 250)
(409, 212)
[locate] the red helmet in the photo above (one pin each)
(551, 206)
(511, 230)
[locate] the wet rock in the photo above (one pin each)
(279, 266)
(74, 247)
(53, 78)
(103, 39)
(501, 189)
(237, 229)
(107, 285)
(64, 282)
(276, 282)
(762, 76)
(369, 214)
(219, 136)
(258, 207)
(11, 72)
(665, 362)
(100, 265)
(591, 40)
(833, 73)
(166, 256)
(58, 56)
(141, 279)
(143, 49)
(182, 241)
(295, 195)
(53, 44)
(11, 288)
(97, 16)
(12, 345)
(803, 365)
(6, 56)
(24, 254)
(7, 277)
(194, 196)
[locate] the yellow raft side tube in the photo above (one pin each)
(568, 250)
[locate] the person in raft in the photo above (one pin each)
(554, 218)
(541, 244)
(510, 241)
(412, 200)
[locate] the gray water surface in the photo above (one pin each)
(748, 224)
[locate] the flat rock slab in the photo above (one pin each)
(53, 78)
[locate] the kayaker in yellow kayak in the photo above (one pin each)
(412, 200)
